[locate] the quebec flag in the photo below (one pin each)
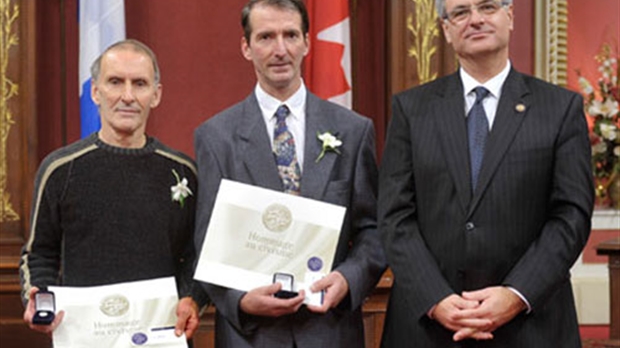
(102, 23)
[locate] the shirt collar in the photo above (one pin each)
(494, 85)
(268, 104)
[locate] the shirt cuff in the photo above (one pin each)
(529, 308)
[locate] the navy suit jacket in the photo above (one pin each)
(235, 145)
(524, 226)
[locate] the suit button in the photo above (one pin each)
(470, 226)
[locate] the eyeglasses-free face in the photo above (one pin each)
(462, 13)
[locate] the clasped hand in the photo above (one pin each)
(477, 314)
(260, 301)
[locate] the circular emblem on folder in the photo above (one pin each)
(315, 264)
(139, 338)
(277, 218)
(114, 306)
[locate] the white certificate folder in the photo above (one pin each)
(255, 232)
(123, 315)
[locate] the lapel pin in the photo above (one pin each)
(520, 107)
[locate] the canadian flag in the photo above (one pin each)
(327, 68)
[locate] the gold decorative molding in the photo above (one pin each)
(552, 41)
(424, 30)
(8, 89)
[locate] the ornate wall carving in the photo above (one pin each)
(425, 31)
(8, 89)
(17, 126)
(18, 155)
(417, 50)
(552, 41)
(18, 160)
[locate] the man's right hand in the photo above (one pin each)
(29, 313)
(445, 313)
(261, 301)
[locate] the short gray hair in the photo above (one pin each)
(135, 45)
(440, 6)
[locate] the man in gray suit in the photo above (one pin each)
(485, 197)
(243, 144)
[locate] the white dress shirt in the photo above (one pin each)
(494, 86)
(296, 121)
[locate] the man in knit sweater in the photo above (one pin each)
(118, 205)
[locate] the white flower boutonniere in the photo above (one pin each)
(330, 143)
(180, 191)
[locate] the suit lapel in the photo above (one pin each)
(451, 122)
(513, 105)
(255, 147)
(315, 176)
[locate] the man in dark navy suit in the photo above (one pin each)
(485, 197)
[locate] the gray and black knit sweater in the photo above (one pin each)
(103, 215)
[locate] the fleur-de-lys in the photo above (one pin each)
(180, 191)
(330, 143)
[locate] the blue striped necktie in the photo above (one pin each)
(477, 132)
(285, 155)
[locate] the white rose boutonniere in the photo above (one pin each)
(330, 143)
(180, 191)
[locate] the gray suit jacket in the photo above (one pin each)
(523, 227)
(234, 145)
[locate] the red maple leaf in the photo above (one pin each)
(323, 72)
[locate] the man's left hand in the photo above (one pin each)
(335, 287)
(498, 304)
(187, 317)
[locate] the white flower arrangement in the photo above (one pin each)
(601, 106)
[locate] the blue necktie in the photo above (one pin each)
(477, 132)
(284, 151)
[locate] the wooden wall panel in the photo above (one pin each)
(418, 51)
(198, 46)
(17, 123)
(18, 160)
(368, 38)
